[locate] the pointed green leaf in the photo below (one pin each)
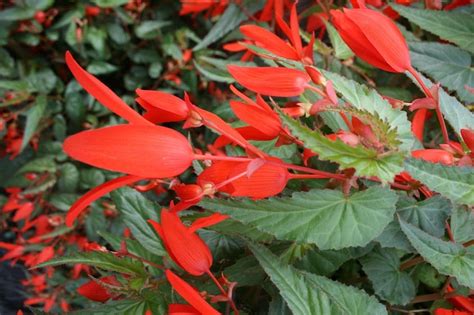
(326, 218)
(367, 162)
(447, 64)
(103, 260)
(454, 182)
(462, 224)
(307, 293)
(33, 117)
(455, 27)
(368, 100)
(341, 50)
(382, 267)
(136, 210)
(448, 258)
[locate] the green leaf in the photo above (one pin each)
(101, 67)
(382, 267)
(228, 22)
(341, 50)
(110, 3)
(7, 63)
(326, 218)
(124, 307)
(306, 293)
(149, 29)
(446, 64)
(91, 178)
(462, 224)
(454, 182)
(39, 165)
(136, 210)
(33, 117)
(43, 81)
(17, 13)
(367, 162)
(69, 178)
(103, 260)
(368, 100)
(447, 257)
(393, 237)
(455, 27)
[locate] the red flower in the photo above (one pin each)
(145, 151)
(183, 245)
(269, 41)
(94, 291)
(182, 309)
(190, 294)
(374, 38)
(434, 156)
(274, 81)
(162, 107)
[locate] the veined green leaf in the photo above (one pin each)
(368, 100)
(455, 27)
(462, 224)
(33, 117)
(447, 64)
(136, 210)
(382, 266)
(366, 161)
(447, 257)
(103, 260)
(307, 293)
(326, 218)
(454, 182)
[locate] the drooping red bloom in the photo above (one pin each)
(273, 81)
(144, 151)
(374, 38)
(468, 137)
(103, 94)
(183, 245)
(434, 156)
(162, 107)
(418, 123)
(190, 294)
(94, 291)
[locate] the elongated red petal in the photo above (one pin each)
(165, 101)
(418, 123)
(274, 81)
(157, 115)
(182, 309)
(213, 219)
(190, 294)
(384, 35)
(269, 180)
(468, 137)
(257, 118)
(269, 41)
(94, 291)
(145, 151)
(295, 30)
(92, 195)
(354, 37)
(434, 156)
(103, 94)
(187, 249)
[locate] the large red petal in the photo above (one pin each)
(145, 151)
(103, 94)
(190, 294)
(274, 81)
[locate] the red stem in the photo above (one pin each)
(224, 292)
(428, 93)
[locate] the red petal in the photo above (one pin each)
(92, 195)
(190, 294)
(354, 37)
(274, 81)
(384, 35)
(156, 115)
(257, 118)
(269, 41)
(103, 94)
(145, 151)
(418, 123)
(185, 247)
(434, 156)
(295, 30)
(182, 309)
(207, 221)
(164, 102)
(217, 173)
(468, 137)
(94, 291)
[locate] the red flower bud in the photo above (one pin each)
(96, 292)
(434, 156)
